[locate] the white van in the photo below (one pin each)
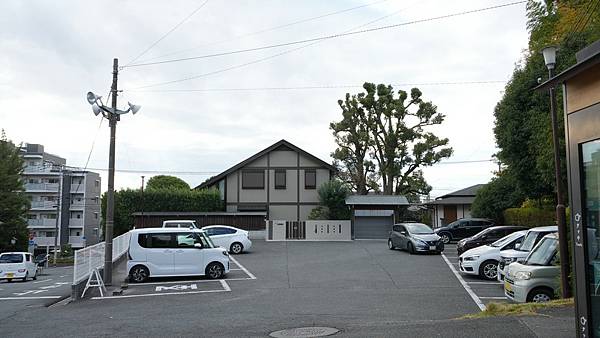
(19, 265)
(168, 252)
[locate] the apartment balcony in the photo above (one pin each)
(41, 187)
(41, 223)
(77, 241)
(40, 169)
(43, 205)
(76, 222)
(78, 188)
(44, 241)
(77, 205)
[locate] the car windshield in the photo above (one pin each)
(529, 241)
(482, 233)
(453, 224)
(543, 252)
(505, 240)
(11, 258)
(419, 229)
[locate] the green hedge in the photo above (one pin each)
(129, 201)
(529, 217)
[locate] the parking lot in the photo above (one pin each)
(480, 290)
(51, 286)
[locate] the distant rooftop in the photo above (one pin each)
(376, 200)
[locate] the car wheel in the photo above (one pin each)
(214, 270)
(410, 248)
(489, 270)
(540, 295)
(34, 276)
(26, 276)
(391, 245)
(139, 274)
(445, 237)
(236, 248)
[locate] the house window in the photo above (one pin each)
(310, 179)
(95, 215)
(254, 179)
(280, 179)
(97, 183)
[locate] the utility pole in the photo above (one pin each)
(560, 206)
(143, 202)
(110, 195)
(58, 206)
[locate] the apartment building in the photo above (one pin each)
(61, 198)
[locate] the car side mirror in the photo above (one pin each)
(403, 233)
(484, 237)
(517, 246)
(197, 245)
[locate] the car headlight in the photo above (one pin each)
(471, 258)
(508, 260)
(522, 275)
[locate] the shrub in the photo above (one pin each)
(529, 217)
(128, 201)
(332, 197)
(496, 196)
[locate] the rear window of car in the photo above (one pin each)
(11, 258)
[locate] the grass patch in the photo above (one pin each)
(509, 309)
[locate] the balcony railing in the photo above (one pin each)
(40, 169)
(77, 241)
(77, 205)
(76, 222)
(78, 188)
(43, 205)
(42, 222)
(41, 187)
(44, 241)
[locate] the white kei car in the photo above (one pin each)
(17, 265)
(233, 239)
(483, 260)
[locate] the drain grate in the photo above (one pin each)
(303, 332)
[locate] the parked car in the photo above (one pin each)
(233, 239)
(17, 265)
(483, 260)
(180, 224)
(487, 236)
(520, 252)
(462, 228)
(535, 279)
(167, 252)
(414, 237)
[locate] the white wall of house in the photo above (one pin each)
(462, 211)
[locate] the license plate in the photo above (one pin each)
(10, 275)
(432, 247)
(507, 286)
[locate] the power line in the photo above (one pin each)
(316, 87)
(169, 32)
(591, 14)
(268, 29)
(581, 16)
(90, 153)
(333, 36)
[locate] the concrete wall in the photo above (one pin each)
(283, 212)
(584, 89)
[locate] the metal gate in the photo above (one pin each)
(295, 230)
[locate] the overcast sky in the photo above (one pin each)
(53, 52)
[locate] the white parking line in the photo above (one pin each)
(493, 298)
(489, 283)
(224, 284)
(243, 268)
(40, 297)
(42, 281)
(467, 288)
(176, 282)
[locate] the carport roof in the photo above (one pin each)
(376, 200)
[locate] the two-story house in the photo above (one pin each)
(281, 180)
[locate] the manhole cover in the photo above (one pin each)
(300, 332)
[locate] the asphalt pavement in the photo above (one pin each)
(360, 287)
(51, 286)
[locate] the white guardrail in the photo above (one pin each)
(92, 257)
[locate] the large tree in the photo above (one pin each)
(166, 182)
(391, 130)
(353, 143)
(13, 202)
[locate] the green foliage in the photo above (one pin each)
(529, 217)
(382, 128)
(13, 202)
(128, 201)
(496, 196)
(332, 196)
(523, 124)
(166, 182)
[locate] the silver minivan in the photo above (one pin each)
(537, 278)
